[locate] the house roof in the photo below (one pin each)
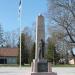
(9, 51)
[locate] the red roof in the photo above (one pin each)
(9, 51)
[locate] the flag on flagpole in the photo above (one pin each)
(20, 7)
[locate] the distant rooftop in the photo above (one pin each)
(9, 51)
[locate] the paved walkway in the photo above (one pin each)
(27, 71)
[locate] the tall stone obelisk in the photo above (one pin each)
(40, 66)
(40, 33)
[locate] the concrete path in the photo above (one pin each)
(27, 71)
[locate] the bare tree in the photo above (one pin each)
(2, 40)
(28, 36)
(14, 38)
(8, 39)
(62, 13)
(11, 38)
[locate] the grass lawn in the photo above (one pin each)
(28, 65)
(14, 65)
(9, 65)
(59, 65)
(64, 65)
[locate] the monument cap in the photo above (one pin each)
(40, 14)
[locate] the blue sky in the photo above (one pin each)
(9, 13)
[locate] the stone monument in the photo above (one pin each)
(40, 66)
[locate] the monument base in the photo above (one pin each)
(42, 67)
(44, 73)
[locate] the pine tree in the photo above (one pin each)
(56, 56)
(50, 53)
(24, 50)
(33, 52)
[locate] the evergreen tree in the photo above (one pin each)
(52, 55)
(33, 52)
(56, 56)
(24, 50)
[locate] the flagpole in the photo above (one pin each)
(20, 12)
(20, 39)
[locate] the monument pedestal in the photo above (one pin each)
(42, 67)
